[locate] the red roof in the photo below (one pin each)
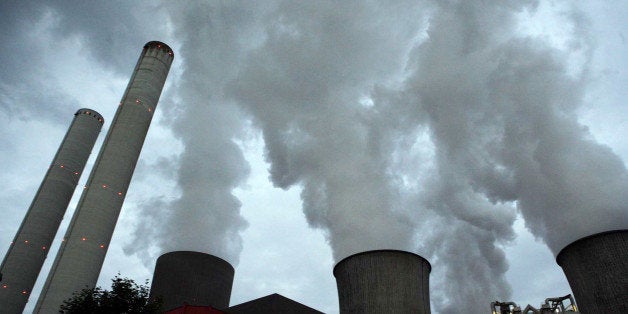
(195, 309)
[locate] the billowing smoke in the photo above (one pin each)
(308, 87)
(501, 112)
(501, 109)
(303, 86)
(416, 126)
(205, 216)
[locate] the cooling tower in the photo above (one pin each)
(29, 248)
(597, 270)
(193, 278)
(383, 281)
(85, 245)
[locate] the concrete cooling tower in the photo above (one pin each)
(383, 281)
(597, 270)
(193, 278)
(29, 248)
(85, 245)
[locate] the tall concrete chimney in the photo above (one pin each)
(85, 245)
(29, 248)
(193, 278)
(383, 281)
(597, 270)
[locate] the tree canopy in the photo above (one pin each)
(126, 296)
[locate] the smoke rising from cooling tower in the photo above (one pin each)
(502, 115)
(501, 111)
(211, 164)
(422, 127)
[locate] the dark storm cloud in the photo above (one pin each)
(107, 28)
(36, 33)
(21, 61)
(17, 16)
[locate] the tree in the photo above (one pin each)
(125, 296)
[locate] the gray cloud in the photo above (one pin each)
(22, 61)
(107, 29)
(35, 31)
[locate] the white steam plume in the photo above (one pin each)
(206, 216)
(303, 86)
(417, 126)
(501, 112)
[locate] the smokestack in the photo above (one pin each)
(193, 278)
(597, 270)
(383, 281)
(85, 245)
(29, 248)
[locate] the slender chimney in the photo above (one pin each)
(29, 248)
(597, 270)
(383, 281)
(85, 245)
(193, 278)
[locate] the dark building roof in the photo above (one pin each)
(274, 303)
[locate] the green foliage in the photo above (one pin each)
(125, 296)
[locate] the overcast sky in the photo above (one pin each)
(483, 135)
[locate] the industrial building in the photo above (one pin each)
(274, 303)
(391, 281)
(383, 281)
(198, 283)
(560, 305)
(85, 245)
(596, 267)
(27, 253)
(194, 278)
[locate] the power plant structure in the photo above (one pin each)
(27, 253)
(81, 255)
(193, 278)
(597, 270)
(383, 281)
(379, 281)
(560, 305)
(198, 283)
